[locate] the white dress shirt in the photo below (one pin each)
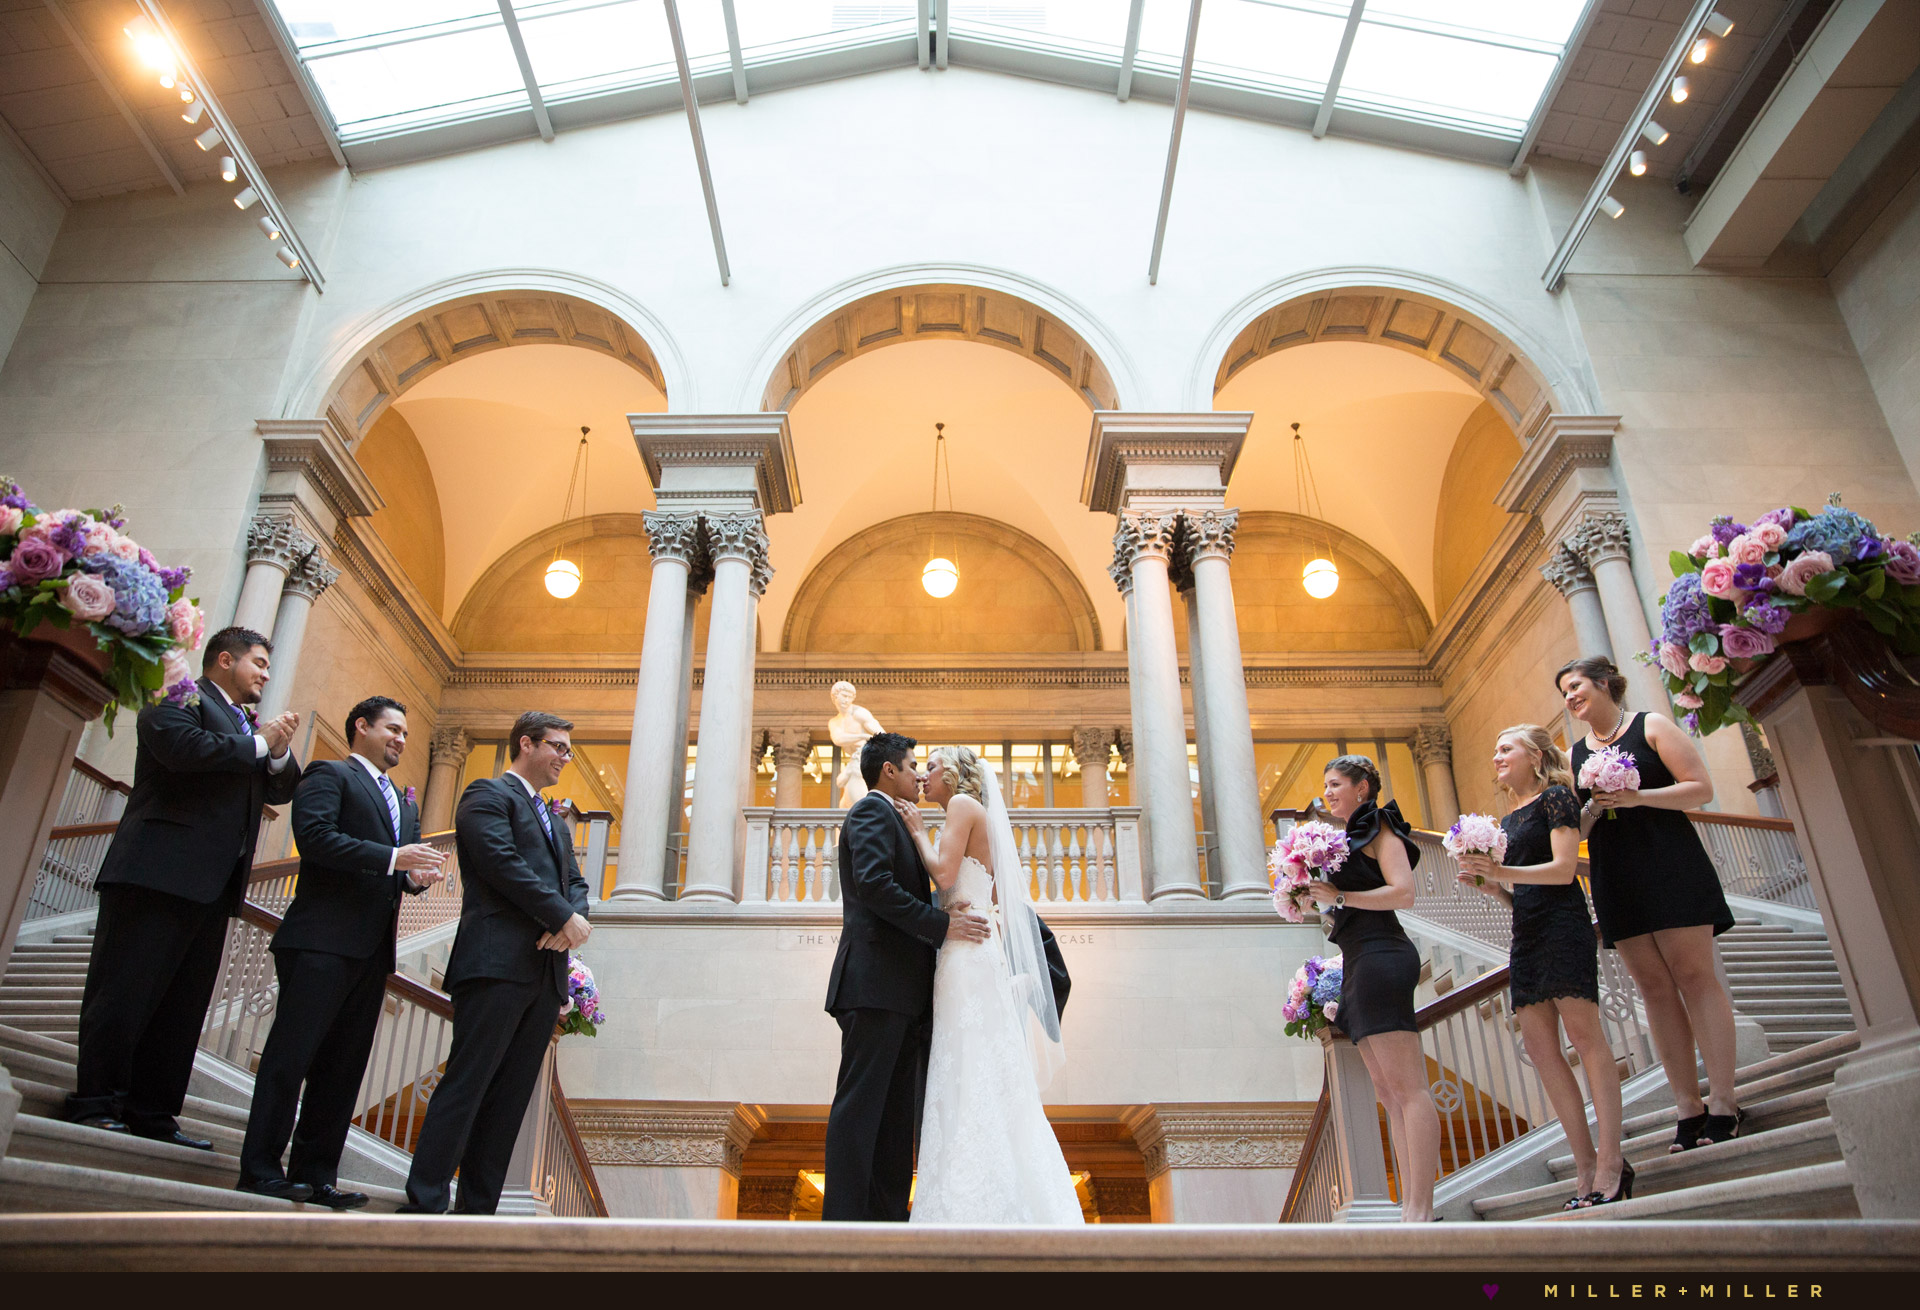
(378, 774)
(275, 763)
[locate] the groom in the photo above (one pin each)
(881, 990)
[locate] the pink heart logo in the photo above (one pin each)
(1491, 1289)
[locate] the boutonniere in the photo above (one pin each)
(559, 807)
(408, 795)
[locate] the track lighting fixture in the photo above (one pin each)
(1718, 23)
(1681, 86)
(208, 139)
(1637, 163)
(193, 112)
(1702, 47)
(287, 257)
(1655, 133)
(246, 198)
(268, 226)
(1611, 208)
(229, 171)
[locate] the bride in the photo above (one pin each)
(987, 1153)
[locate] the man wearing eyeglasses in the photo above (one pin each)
(523, 908)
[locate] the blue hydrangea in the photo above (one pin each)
(140, 603)
(1686, 611)
(1327, 987)
(1836, 530)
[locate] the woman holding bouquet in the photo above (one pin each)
(1656, 894)
(1554, 967)
(1382, 968)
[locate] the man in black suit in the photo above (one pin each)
(881, 991)
(360, 851)
(176, 871)
(523, 906)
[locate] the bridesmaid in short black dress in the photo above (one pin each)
(1380, 966)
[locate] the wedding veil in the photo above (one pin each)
(1034, 1009)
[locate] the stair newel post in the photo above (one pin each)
(1355, 1120)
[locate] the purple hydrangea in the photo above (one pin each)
(1326, 987)
(70, 536)
(1767, 617)
(174, 579)
(1835, 530)
(140, 605)
(180, 693)
(1686, 611)
(1725, 529)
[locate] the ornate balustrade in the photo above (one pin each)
(1756, 857)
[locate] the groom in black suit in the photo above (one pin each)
(881, 990)
(360, 851)
(177, 869)
(523, 906)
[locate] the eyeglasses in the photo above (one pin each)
(563, 749)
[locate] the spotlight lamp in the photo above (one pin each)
(1637, 163)
(208, 139)
(1654, 133)
(1702, 47)
(1681, 86)
(286, 257)
(268, 226)
(246, 199)
(186, 95)
(1611, 208)
(1718, 24)
(229, 171)
(153, 51)
(193, 112)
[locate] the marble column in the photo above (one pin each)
(791, 749)
(446, 755)
(1239, 834)
(655, 757)
(1160, 735)
(1565, 571)
(275, 547)
(735, 542)
(1604, 545)
(1433, 751)
(1121, 571)
(304, 585)
(676, 781)
(753, 742)
(1091, 749)
(1209, 835)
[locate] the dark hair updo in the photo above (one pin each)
(1356, 769)
(1597, 669)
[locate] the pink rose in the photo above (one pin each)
(1686, 700)
(185, 623)
(1673, 658)
(87, 598)
(123, 547)
(1330, 1011)
(9, 520)
(1708, 664)
(99, 536)
(35, 559)
(1716, 578)
(1769, 535)
(1746, 549)
(1800, 571)
(1744, 643)
(175, 669)
(1704, 549)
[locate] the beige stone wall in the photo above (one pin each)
(1877, 284)
(1469, 519)
(410, 524)
(30, 216)
(607, 614)
(1507, 678)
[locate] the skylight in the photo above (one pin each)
(390, 67)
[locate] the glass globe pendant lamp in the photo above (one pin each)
(1320, 576)
(563, 576)
(941, 576)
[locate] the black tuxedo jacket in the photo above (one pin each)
(193, 819)
(516, 886)
(346, 903)
(889, 927)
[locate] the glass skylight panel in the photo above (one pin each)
(411, 83)
(325, 22)
(1290, 47)
(1097, 27)
(1489, 87)
(577, 49)
(1547, 22)
(783, 22)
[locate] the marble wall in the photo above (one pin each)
(30, 216)
(1877, 284)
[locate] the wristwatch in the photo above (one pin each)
(1340, 901)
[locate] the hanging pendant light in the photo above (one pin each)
(941, 576)
(1319, 575)
(563, 575)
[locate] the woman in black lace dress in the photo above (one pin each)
(1554, 957)
(1380, 969)
(1657, 896)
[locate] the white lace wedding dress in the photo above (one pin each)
(987, 1153)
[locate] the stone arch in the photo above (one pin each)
(1442, 323)
(940, 303)
(1046, 574)
(384, 354)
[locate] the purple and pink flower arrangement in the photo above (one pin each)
(1304, 852)
(582, 1012)
(1476, 834)
(1313, 998)
(77, 567)
(1737, 587)
(1610, 769)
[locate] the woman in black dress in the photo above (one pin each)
(1553, 960)
(1657, 896)
(1380, 969)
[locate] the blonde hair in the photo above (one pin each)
(1550, 765)
(964, 768)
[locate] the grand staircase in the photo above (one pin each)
(1785, 980)
(52, 1165)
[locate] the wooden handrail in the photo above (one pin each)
(268, 870)
(1741, 820)
(1309, 1146)
(106, 780)
(83, 830)
(564, 1113)
(398, 984)
(1440, 1008)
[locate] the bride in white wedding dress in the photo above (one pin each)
(987, 1152)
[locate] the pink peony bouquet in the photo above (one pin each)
(582, 1012)
(77, 568)
(1610, 769)
(1313, 998)
(1476, 834)
(1737, 587)
(1306, 851)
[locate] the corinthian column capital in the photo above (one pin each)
(1432, 744)
(1121, 570)
(1211, 532)
(735, 536)
(1092, 745)
(791, 747)
(673, 536)
(1601, 537)
(449, 745)
(276, 539)
(311, 577)
(1565, 571)
(1153, 533)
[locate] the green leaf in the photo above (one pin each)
(1704, 643)
(1827, 588)
(1681, 563)
(1874, 583)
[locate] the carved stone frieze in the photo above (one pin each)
(673, 536)
(312, 576)
(687, 1133)
(1433, 744)
(1601, 537)
(450, 745)
(1566, 571)
(1223, 1137)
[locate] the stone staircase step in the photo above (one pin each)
(1762, 1117)
(1790, 991)
(1784, 1023)
(1741, 969)
(65, 1027)
(1798, 1040)
(1818, 1191)
(1811, 1066)
(73, 938)
(38, 1137)
(16, 1003)
(42, 1186)
(19, 1039)
(1824, 1007)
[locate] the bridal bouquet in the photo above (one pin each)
(69, 568)
(1737, 588)
(582, 1012)
(1313, 999)
(1610, 769)
(1477, 834)
(1306, 851)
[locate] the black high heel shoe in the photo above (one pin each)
(1623, 1191)
(1720, 1128)
(1687, 1133)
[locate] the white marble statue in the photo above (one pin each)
(850, 727)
